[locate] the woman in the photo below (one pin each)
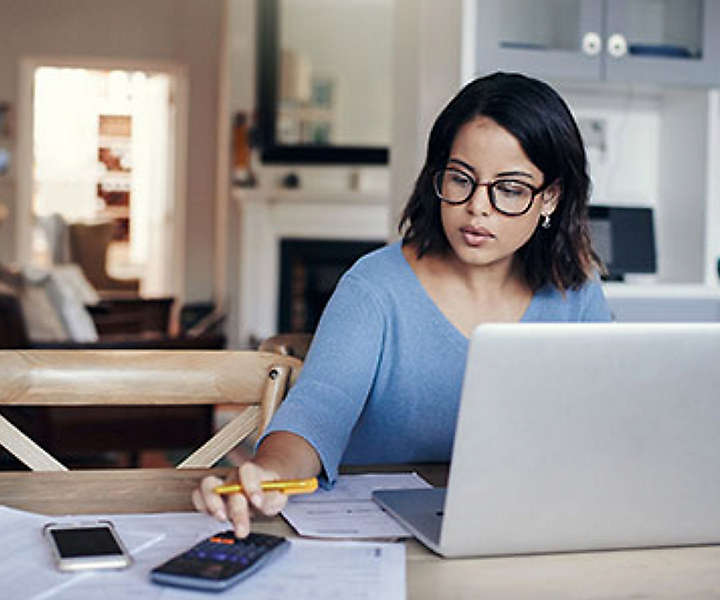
(495, 230)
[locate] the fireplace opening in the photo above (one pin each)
(309, 272)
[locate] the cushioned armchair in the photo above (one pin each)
(89, 244)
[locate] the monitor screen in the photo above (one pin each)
(624, 238)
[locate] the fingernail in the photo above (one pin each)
(220, 515)
(256, 500)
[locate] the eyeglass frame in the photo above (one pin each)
(489, 185)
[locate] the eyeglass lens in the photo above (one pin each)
(507, 196)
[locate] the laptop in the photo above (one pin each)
(578, 437)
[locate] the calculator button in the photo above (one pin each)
(225, 559)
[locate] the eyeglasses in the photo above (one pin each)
(507, 196)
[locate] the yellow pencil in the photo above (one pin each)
(286, 486)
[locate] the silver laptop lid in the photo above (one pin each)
(586, 436)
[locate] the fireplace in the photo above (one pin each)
(309, 272)
(324, 230)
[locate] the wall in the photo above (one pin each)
(427, 72)
(241, 45)
(182, 31)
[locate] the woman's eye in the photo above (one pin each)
(511, 188)
(460, 180)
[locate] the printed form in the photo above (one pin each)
(310, 570)
(347, 511)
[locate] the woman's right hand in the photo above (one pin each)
(238, 508)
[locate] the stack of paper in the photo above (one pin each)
(347, 511)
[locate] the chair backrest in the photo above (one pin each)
(256, 380)
(288, 344)
(89, 244)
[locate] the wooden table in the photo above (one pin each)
(685, 573)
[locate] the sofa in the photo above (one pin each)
(58, 309)
(36, 314)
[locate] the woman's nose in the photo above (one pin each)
(479, 202)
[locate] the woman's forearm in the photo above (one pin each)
(288, 455)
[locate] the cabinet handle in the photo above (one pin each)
(617, 45)
(591, 43)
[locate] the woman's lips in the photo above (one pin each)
(476, 236)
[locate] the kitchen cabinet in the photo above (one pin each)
(666, 42)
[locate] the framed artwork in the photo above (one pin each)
(291, 134)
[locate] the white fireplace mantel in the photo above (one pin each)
(267, 216)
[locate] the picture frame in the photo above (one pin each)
(270, 118)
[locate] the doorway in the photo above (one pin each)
(104, 146)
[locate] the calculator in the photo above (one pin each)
(220, 561)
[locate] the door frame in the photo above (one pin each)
(24, 165)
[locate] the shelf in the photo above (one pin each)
(661, 290)
(116, 212)
(114, 141)
(307, 196)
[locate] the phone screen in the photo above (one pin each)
(85, 541)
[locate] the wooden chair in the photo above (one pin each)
(89, 243)
(257, 381)
(288, 344)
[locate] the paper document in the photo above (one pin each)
(348, 511)
(28, 572)
(309, 570)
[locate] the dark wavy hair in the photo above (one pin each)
(541, 121)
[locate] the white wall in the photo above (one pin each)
(712, 216)
(427, 72)
(182, 31)
(241, 43)
(683, 179)
(625, 172)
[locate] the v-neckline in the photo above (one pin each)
(439, 314)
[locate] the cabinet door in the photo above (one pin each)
(663, 41)
(544, 38)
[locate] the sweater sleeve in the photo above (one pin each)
(337, 375)
(594, 306)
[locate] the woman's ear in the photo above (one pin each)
(550, 198)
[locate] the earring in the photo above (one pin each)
(546, 222)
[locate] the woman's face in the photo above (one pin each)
(478, 234)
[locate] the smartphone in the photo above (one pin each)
(86, 545)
